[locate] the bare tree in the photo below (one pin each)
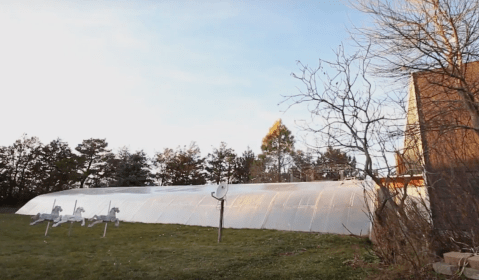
(350, 114)
(412, 225)
(428, 36)
(437, 41)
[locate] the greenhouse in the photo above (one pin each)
(326, 206)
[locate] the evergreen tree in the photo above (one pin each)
(92, 160)
(333, 161)
(184, 166)
(132, 169)
(57, 167)
(302, 167)
(263, 170)
(164, 163)
(243, 167)
(221, 164)
(19, 163)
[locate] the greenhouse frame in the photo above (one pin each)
(324, 206)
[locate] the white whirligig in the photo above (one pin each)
(41, 217)
(111, 217)
(76, 217)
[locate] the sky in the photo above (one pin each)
(151, 75)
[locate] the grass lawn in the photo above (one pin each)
(159, 251)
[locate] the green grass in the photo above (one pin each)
(159, 251)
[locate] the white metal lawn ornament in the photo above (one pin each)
(41, 217)
(221, 196)
(111, 217)
(76, 217)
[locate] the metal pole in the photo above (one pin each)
(221, 220)
(71, 223)
(48, 225)
(106, 223)
(46, 231)
(104, 232)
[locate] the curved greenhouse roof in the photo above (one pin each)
(310, 207)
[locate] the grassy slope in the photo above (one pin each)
(158, 251)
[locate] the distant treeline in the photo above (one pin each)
(29, 168)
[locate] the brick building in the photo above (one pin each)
(441, 147)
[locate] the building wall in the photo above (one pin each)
(450, 150)
(410, 160)
(443, 118)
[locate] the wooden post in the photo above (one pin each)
(221, 220)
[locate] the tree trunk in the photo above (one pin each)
(279, 159)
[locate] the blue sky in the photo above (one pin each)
(155, 74)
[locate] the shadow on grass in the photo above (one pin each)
(166, 251)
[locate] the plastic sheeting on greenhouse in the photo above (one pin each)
(310, 207)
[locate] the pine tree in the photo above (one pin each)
(133, 169)
(92, 154)
(185, 166)
(243, 167)
(221, 164)
(332, 161)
